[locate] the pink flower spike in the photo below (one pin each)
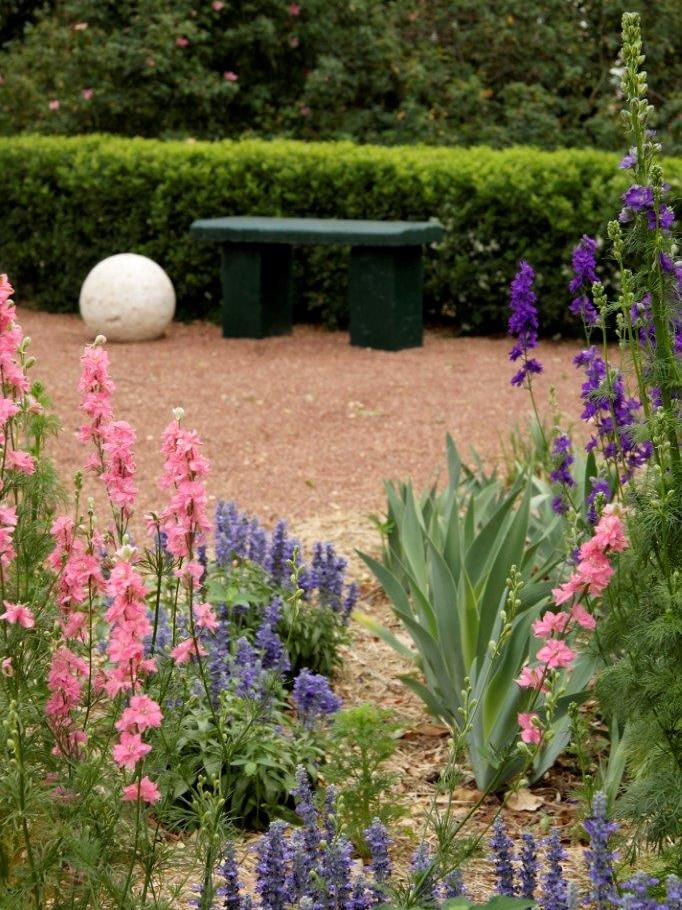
(19, 614)
(556, 654)
(181, 42)
(549, 624)
(584, 619)
(188, 648)
(87, 94)
(54, 105)
(294, 9)
(146, 790)
(230, 76)
(530, 729)
(129, 750)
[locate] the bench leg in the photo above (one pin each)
(385, 297)
(257, 290)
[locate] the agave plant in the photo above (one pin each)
(446, 569)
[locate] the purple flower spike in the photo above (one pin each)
(554, 886)
(598, 856)
(523, 323)
(313, 697)
(584, 263)
(503, 854)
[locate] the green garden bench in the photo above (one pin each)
(385, 281)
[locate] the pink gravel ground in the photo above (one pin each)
(305, 425)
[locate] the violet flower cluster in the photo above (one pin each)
(584, 262)
(240, 538)
(310, 867)
(523, 323)
(614, 414)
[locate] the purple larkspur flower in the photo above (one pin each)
(562, 459)
(614, 414)
(502, 850)
(523, 323)
(313, 698)
(598, 487)
(598, 855)
(629, 160)
(642, 199)
(280, 554)
(584, 263)
(554, 887)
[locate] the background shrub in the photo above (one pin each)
(69, 202)
(396, 72)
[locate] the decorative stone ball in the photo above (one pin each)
(127, 297)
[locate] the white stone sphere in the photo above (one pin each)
(127, 297)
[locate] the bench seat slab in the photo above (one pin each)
(385, 297)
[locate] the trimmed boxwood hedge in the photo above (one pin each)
(69, 202)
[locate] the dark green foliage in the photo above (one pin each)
(69, 202)
(443, 72)
(643, 685)
(361, 740)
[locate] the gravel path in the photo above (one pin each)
(303, 426)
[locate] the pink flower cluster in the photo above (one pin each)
(15, 385)
(130, 625)
(185, 522)
(590, 578)
(113, 459)
(79, 580)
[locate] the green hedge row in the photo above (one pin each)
(69, 202)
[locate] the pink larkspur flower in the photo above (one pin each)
(532, 678)
(7, 668)
(141, 714)
(87, 94)
(556, 654)
(20, 461)
(188, 648)
(54, 105)
(550, 624)
(530, 731)
(18, 614)
(146, 790)
(583, 618)
(230, 76)
(204, 617)
(181, 42)
(129, 750)
(217, 5)
(294, 9)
